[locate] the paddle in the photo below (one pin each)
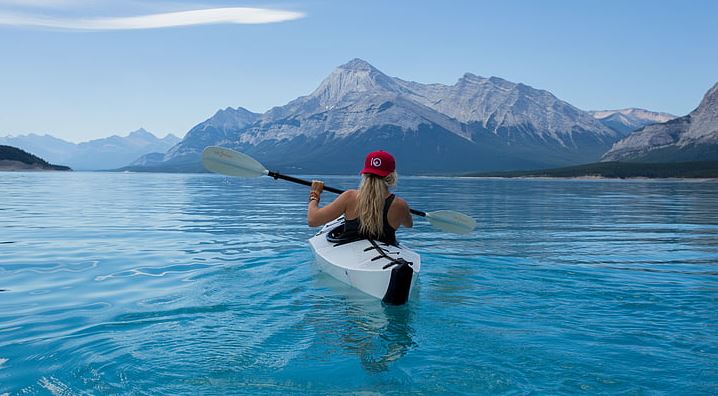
(232, 163)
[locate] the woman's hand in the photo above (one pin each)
(316, 190)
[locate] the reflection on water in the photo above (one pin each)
(396, 338)
(200, 284)
(375, 332)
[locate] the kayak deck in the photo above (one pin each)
(384, 271)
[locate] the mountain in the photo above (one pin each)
(15, 159)
(46, 146)
(117, 151)
(625, 121)
(476, 124)
(693, 137)
(107, 153)
(218, 129)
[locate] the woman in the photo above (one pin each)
(371, 211)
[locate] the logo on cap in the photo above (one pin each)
(376, 162)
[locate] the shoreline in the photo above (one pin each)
(19, 166)
(28, 168)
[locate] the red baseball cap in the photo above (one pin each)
(379, 163)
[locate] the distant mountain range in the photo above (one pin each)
(625, 121)
(15, 159)
(693, 137)
(476, 124)
(184, 156)
(100, 154)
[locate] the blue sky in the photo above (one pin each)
(83, 69)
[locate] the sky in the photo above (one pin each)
(87, 69)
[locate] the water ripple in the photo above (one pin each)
(184, 284)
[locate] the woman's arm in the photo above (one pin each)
(317, 216)
(400, 214)
(408, 221)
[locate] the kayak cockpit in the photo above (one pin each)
(376, 268)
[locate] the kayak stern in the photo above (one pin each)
(388, 275)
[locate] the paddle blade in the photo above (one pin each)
(450, 221)
(231, 163)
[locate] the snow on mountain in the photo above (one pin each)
(477, 123)
(635, 113)
(356, 77)
(497, 104)
(628, 120)
(354, 96)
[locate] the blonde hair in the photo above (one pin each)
(372, 191)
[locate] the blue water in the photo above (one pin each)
(201, 284)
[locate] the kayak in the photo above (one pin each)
(381, 270)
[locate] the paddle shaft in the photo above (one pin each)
(297, 180)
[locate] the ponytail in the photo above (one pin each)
(372, 191)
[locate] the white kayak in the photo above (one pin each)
(381, 270)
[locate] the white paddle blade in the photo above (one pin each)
(450, 221)
(231, 163)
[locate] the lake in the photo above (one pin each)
(203, 284)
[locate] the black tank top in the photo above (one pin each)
(389, 234)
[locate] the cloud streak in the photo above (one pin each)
(230, 15)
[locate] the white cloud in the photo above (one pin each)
(241, 15)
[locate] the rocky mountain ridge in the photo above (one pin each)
(477, 123)
(691, 137)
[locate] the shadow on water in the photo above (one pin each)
(377, 333)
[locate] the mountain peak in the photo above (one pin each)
(506, 84)
(141, 132)
(230, 117)
(355, 76)
(357, 64)
(230, 110)
(472, 78)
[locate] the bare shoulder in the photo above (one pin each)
(401, 203)
(349, 194)
(346, 199)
